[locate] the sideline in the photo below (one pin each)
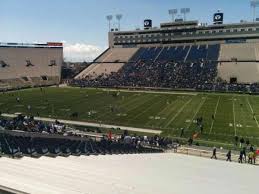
(206, 152)
(147, 91)
(88, 124)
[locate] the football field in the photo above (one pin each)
(234, 114)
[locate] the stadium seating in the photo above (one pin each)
(245, 72)
(16, 146)
(24, 136)
(201, 67)
(171, 67)
(25, 67)
(110, 61)
(173, 53)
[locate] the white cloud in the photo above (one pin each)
(79, 52)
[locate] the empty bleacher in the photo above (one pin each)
(18, 144)
(19, 67)
(110, 61)
(246, 71)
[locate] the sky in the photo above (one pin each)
(82, 24)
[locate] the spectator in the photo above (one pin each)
(254, 157)
(244, 153)
(214, 153)
(240, 159)
(250, 157)
(236, 140)
(229, 156)
(242, 141)
(182, 132)
(190, 141)
(247, 142)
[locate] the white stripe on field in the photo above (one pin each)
(215, 112)
(179, 111)
(198, 109)
(234, 115)
(252, 110)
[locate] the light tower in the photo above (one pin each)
(119, 17)
(109, 19)
(173, 12)
(185, 11)
(254, 4)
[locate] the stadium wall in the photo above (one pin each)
(244, 72)
(31, 63)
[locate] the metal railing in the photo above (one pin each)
(207, 153)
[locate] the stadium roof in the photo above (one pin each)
(157, 173)
(32, 45)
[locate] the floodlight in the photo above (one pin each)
(185, 11)
(173, 12)
(254, 4)
(119, 17)
(109, 18)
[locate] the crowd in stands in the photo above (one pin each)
(28, 124)
(17, 145)
(170, 76)
(157, 75)
(173, 68)
(155, 141)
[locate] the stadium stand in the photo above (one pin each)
(29, 65)
(170, 67)
(23, 136)
(232, 69)
(180, 55)
(217, 67)
(110, 61)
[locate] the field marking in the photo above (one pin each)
(142, 103)
(252, 110)
(152, 92)
(164, 110)
(142, 112)
(243, 120)
(136, 105)
(178, 112)
(198, 109)
(123, 107)
(234, 117)
(215, 112)
(130, 101)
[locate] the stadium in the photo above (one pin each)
(153, 96)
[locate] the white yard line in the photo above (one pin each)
(252, 110)
(142, 112)
(198, 109)
(164, 110)
(179, 111)
(234, 116)
(152, 92)
(87, 124)
(215, 112)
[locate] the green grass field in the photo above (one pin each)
(163, 111)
